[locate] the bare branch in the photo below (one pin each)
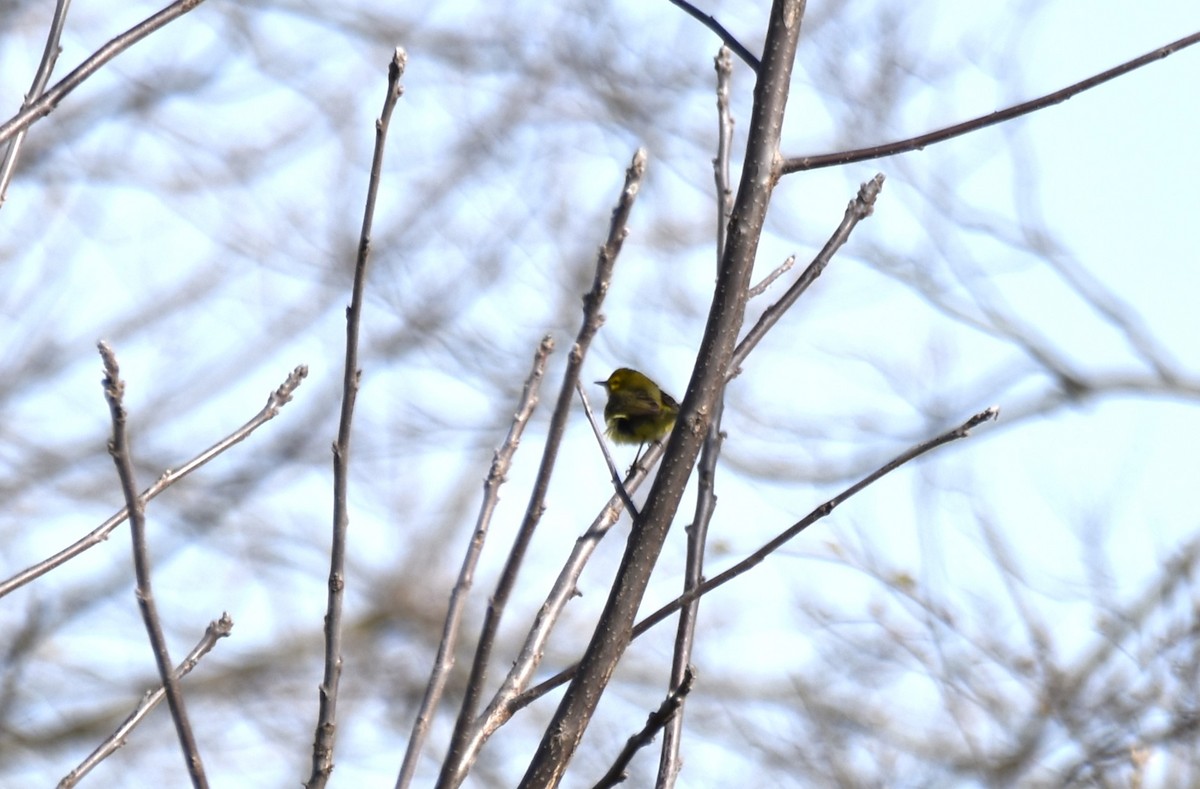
(857, 210)
(213, 633)
(322, 760)
(775, 274)
(608, 458)
(565, 588)
(458, 597)
(275, 401)
(800, 163)
(666, 712)
(962, 431)
(48, 101)
(712, 24)
(723, 65)
(706, 498)
(49, 57)
(114, 392)
(456, 765)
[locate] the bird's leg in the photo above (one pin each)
(636, 458)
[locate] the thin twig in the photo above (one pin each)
(857, 210)
(564, 589)
(723, 64)
(775, 274)
(280, 397)
(114, 392)
(608, 458)
(322, 759)
(50, 99)
(667, 711)
(213, 633)
(45, 67)
(669, 762)
(712, 24)
(457, 763)
(458, 597)
(962, 431)
(799, 163)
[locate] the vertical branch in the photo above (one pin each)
(322, 761)
(114, 393)
(723, 64)
(613, 632)
(458, 597)
(706, 499)
(456, 765)
(40, 78)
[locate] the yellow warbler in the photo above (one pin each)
(638, 410)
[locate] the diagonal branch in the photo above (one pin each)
(564, 589)
(756, 558)
(709, 21)
(215, 631)
(799, 163)
(618, 485)
(667, 711)
(51, 98)
(279, 398)
(858, 209)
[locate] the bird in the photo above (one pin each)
(638, 410)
